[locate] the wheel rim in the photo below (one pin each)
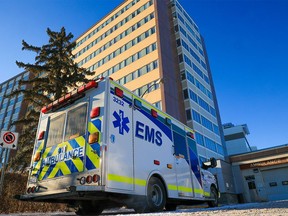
(156, 195)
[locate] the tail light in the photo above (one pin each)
(41, 135)
(96, 178)
(29, 190)
(89, 179)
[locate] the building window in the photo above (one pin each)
(185, 94)
(188, 115)
(196, 116)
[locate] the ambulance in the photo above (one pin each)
(101, 146)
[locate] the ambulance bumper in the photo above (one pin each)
(72, 192)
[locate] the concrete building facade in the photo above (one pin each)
(11, 109)
(236, 139)
(155, 49)
(261, 175)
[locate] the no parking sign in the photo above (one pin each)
(8, 139)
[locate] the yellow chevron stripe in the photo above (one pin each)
(62, 165)
(78, 162)
(53, 172)
(64, 168)
(95, 159)
(38, 165)
(92, 128)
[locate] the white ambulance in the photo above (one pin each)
(102, 146)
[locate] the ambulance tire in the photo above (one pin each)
(89, 209)
(213, 195)
(156, 196)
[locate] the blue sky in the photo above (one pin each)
(246, 42)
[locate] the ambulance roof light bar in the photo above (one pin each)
(79, 91)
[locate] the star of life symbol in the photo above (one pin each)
(121, 122)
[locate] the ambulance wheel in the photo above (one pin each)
(89, 209)
(156, 195)
(214, 196)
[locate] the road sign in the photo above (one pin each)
(8, 139)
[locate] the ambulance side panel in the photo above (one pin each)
(119, 155)
(153, 148)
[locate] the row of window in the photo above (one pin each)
(111, 30)
(117, 38)
(107, 22)
(202, 120)
(120, 50)
(197, 99)
(195, 56)
(189, 62)
(187, 75)
(139, 72)
(189, 29)
(187, 16)
(208, 143)
(128, 61)
(192, 42)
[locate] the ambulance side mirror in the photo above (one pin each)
(212, 163)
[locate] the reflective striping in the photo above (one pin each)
(122, 179)
(37, 166)
(187, 190)
(140, 182)
(172, 187)
(63, 167)
(206, 194)
(126, 180)
(93, 150)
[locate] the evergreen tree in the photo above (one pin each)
(54, 73)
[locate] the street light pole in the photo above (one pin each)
(160, 80)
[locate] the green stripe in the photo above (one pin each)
(187, 189)
(126, 180)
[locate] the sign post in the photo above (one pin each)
(8, 140)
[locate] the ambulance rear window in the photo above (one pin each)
(56, 129)
(76, 122)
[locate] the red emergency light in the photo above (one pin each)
(95, 112)
(79, 91)
(119, 92)
(154, 113)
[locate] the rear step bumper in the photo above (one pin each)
(80, 192)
